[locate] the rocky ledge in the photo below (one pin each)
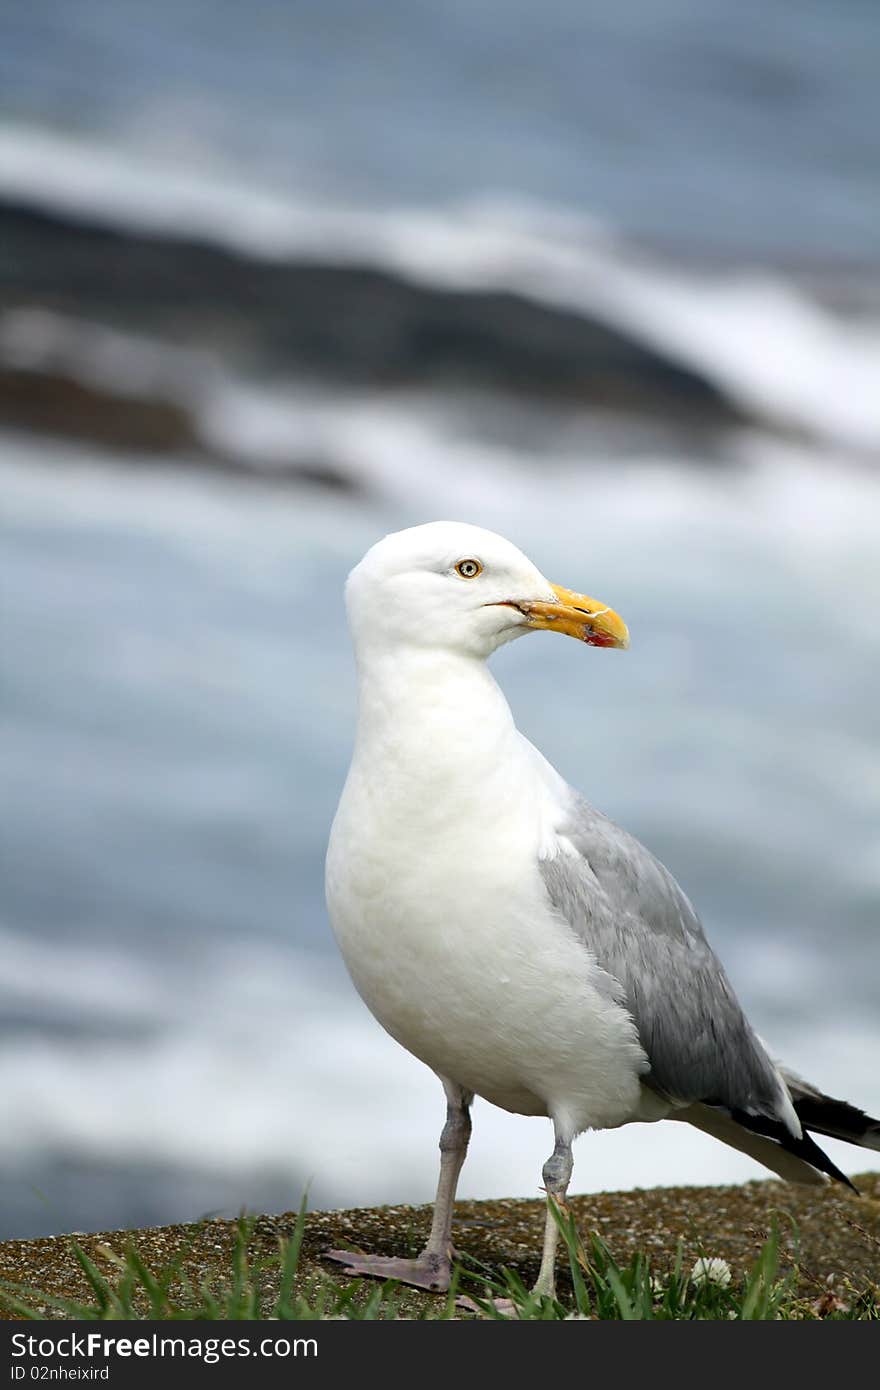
(828, 1234)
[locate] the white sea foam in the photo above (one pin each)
(761, 340)
(130, 363)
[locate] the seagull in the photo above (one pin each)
(514, 939)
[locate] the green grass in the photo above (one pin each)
(270, 1287)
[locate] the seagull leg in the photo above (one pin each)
(557, 1175)
(453, 1150)
(433, 1268)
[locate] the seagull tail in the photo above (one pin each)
(821, 1114)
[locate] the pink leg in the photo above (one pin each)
(432, 1269)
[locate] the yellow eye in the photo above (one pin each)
(468, 569)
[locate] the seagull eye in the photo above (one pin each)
(468, 569)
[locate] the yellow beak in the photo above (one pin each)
(578, 616)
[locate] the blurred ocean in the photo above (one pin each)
(275, 280)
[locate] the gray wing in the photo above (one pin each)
(633, 917)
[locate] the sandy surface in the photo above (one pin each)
(838, 1235)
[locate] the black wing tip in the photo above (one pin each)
(804, 1148)
(807, 1149)
(834, 1172)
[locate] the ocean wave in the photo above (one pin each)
(752, 337)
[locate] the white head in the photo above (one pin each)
(454, 586)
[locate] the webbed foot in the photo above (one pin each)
(431, 1272)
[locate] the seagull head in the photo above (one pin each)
(454, 586)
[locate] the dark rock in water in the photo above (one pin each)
(141, 427)
(54, 403)
(339, 322)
